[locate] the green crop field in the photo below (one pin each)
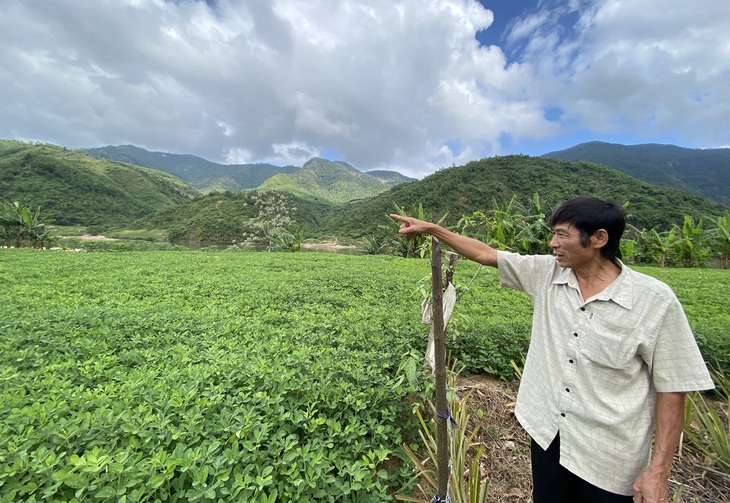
(189, 376)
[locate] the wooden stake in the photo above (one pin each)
(442, 406)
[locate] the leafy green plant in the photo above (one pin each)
(189, 377)
(721, 239)
(22, 224)
(374, 245)
(511, 226)
(691, 246)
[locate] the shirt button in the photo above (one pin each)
(582, 308)
(562, 414)
(575, 334)
(571, 360)
(567, 389)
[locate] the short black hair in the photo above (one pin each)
(589, 214)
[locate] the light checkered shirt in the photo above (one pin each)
(594, 367)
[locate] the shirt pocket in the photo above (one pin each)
(610, 344)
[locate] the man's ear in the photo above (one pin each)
(599, 238)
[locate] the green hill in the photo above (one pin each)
(224, 217)
(202, 174)
(335, 181)
(77, 189)
(464, 189)
(705, 172)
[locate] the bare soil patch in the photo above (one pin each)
(94, 237)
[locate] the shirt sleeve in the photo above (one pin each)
(677, 364)
(526, 273)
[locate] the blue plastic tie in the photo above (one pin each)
(447, 415)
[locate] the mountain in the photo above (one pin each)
(209, 176)
(202, 174)
(77, 189)
(462, 190)
(334, 181)
(705, 172)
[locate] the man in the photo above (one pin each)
(611, 358)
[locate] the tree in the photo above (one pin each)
(271, 222)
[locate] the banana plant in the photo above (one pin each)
(511, 226)
(691, 246)
(722, 240)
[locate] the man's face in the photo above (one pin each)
(568, 248)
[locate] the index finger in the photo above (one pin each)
(398, 217)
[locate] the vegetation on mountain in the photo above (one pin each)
(229, 217)
(696, 171)
(202, 174)
(335, 181)
(462, 190)
(74, 188)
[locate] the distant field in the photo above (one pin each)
(186, 376)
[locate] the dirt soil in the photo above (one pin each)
(508, 450)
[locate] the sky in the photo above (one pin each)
(407, 85)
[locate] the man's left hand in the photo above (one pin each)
(651, 487)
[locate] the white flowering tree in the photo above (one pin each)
(272, 221)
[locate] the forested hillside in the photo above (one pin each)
(696, 171)
(337, 182)
(202, 174)
(226, 217)
(462, 190)
(77, 189)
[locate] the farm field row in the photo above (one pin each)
(188, 376)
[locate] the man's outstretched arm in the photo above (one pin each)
(470, 248)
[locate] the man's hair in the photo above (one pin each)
(589, 214)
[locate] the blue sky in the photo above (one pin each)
(408, 85)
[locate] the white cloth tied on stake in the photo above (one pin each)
(448, 302)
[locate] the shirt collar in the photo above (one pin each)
(620, 291)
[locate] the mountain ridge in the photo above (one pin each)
(704, 172)
(86, 190)
(208, 176)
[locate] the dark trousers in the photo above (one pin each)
(552, 483)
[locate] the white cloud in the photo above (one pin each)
(294, 153)
(396, 85)
(641, 67)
